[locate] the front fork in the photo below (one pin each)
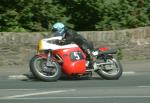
(49, 61)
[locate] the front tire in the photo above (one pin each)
(113, 73)
(41, 71)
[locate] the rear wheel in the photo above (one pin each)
(111, 71)
(43, 72)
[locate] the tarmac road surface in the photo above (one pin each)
(132, 87)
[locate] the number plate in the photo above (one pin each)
(76, 56)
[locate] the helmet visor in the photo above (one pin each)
(54, 30)
(57, 34)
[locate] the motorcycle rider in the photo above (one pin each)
(69, 36)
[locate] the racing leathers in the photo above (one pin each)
(72, 36)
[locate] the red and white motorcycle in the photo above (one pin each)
(53, 60)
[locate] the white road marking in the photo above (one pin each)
(18, 89)
(17, 77)
(129, 73)
(143, 86)
(39, 93)
(82, 97)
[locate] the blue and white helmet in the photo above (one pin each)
(59, 28)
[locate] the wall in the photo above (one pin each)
(18, 48)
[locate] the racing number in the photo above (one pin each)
(76, 56)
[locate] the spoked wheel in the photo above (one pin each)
(43, 72)
(111, 71)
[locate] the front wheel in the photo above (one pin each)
(111, 71)
(43, 72)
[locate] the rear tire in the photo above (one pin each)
(104, 73)
(41, 71)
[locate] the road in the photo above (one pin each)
(132, 87)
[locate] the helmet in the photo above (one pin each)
(59, 28)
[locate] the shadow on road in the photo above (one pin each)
(64, 78)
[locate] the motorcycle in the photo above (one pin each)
(54, 60)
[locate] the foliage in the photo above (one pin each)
(123, 14)
(39, 15)
(82, 13)
(29, 15)
(119, 54)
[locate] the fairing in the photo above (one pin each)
(69, 66)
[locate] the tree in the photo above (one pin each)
(124, 14)
(81, 15)
(29, 15)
